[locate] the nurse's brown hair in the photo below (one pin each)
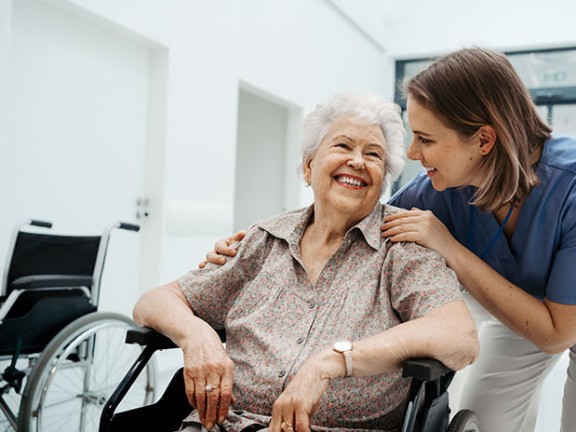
(473, 87)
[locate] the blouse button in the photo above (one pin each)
(311, 304)
(281, 373)
(300, 340)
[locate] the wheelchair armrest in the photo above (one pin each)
(51, 281)
(424, 369)
(145, 336)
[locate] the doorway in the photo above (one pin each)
(265, 158)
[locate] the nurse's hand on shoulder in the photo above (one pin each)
(421, 227)
(222, 249)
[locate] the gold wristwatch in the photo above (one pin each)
(344, 347)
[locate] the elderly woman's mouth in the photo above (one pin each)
(350, 181)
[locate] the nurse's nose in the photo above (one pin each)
(414, 152)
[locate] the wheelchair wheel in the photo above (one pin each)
(464, 421)
(78, 371)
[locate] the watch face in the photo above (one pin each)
(343, 345)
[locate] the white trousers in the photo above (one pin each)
(503, 386)
(569, 398)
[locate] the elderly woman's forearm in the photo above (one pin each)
(166, 310)
(447, 334)
(452, 335)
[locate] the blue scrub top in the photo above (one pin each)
(541, 255)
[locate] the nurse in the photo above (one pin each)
(497, 199)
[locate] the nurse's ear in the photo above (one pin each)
(487, 139)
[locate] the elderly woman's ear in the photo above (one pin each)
(307, 172)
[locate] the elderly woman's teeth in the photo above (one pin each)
(349, 181)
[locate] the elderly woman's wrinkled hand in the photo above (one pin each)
(294, 408)
(208, 375)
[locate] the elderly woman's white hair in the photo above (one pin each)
(363, 106)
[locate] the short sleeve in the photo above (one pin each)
(418, 279)
(211, 291)
(561, 287)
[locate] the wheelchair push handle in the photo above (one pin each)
(40, 223)
(45, 224)
(129, 227)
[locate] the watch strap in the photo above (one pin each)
(348, 361)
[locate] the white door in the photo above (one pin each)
(76, 134)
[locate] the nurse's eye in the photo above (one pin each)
(423, 140)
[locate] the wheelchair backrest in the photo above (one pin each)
(46, 254)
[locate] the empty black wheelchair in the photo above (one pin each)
(60, 359)
(427, 409)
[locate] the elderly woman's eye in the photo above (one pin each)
(375, 154)
(342, 145)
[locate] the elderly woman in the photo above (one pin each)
(315, 339)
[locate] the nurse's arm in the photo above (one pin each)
(549, 325)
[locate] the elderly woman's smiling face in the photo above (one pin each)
(347, 171)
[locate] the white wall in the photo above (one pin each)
(212, 47)
(5, 43)
(415, 28)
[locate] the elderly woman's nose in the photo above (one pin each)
(357, 160)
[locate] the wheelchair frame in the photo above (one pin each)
(427, 409)
(63, 341)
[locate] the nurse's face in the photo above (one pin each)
(450, 159)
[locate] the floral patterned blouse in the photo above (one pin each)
(275, 318)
